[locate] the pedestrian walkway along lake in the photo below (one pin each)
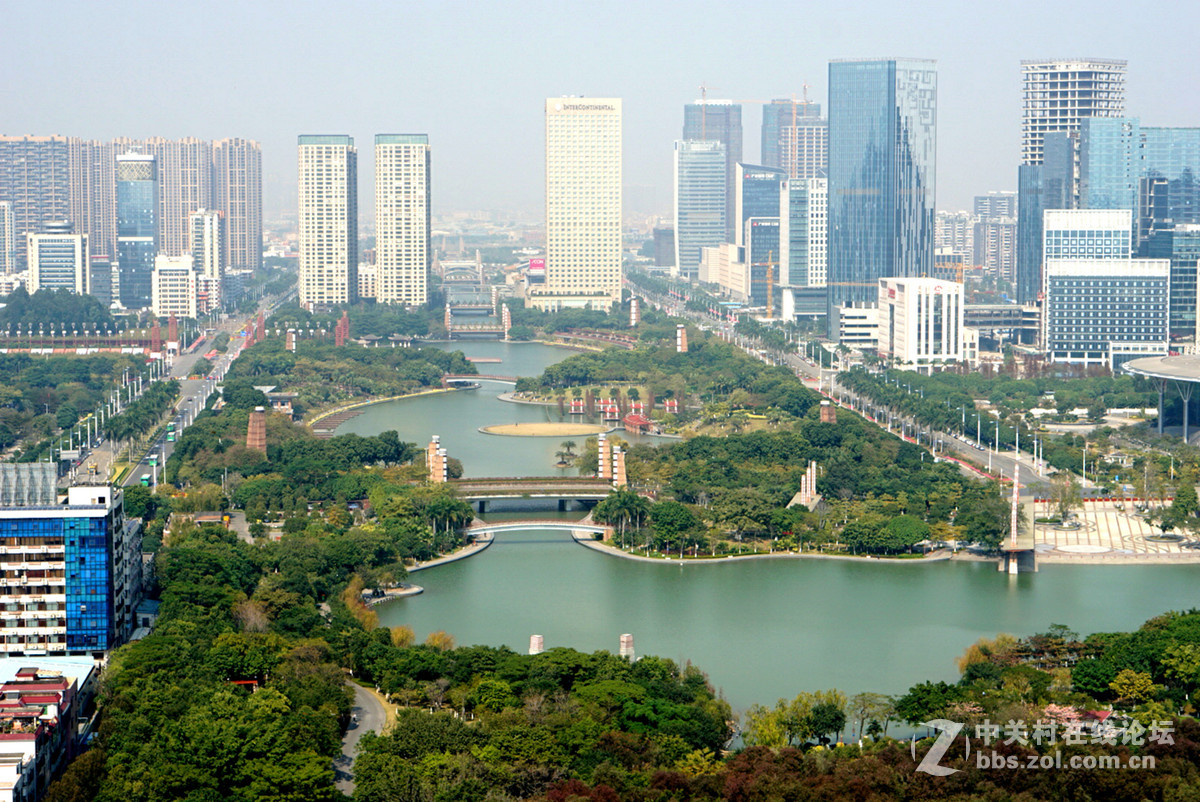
(761, 629)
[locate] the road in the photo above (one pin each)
(193, 393)
(1001, 463)
(367, 715)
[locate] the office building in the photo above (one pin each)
(920, 322)
(774, 115)
(583, 204)
(725, 266)
(756, 191)
(794, 138)
(72, 572)
(176, 287)
(719, 120)
(1153, 171)
(1087, 234)
(1058, 94)
(1040, 188)
(803, 232)
(328, 221)
(664, 243)
(1103, 311)
(100, 279)
(1180, 245)
(237, 195)
(35, 179)
(762, 262)
(8, 236)
(137, 228)
(59, 259)
(699, 202)
(995, 205)
(402, 186)
(882, 162)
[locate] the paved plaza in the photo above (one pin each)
(1108, 533)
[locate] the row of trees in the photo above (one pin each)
(144, 414)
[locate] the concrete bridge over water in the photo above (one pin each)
(584, 527)
(564, 490)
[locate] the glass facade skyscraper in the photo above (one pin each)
(762, 259)
(719, 120)
(699, 202)
(1181, 246)
(137, 227)
(1118, 154)
(882, 157)
(757, 191)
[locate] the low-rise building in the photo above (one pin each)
(46, 705)
(921, 322)
(1105, 311)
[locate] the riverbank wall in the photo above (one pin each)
(479, 544)
(325, 424)
(585, 540)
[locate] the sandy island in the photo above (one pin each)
(545, 429)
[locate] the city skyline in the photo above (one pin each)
(278, 60)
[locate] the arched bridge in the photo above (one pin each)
(578, 529)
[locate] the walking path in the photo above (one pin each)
(367, 715)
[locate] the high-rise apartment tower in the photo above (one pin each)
(328, 221)
(402, 186)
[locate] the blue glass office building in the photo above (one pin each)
(882, 162)
(137, 228)
(1181, 246)
(72, 579)
(1041, 187)
(699, 201)
(762, 259)
(757, 190)
(721, 121)
(1118, 154)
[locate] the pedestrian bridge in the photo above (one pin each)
(578, 529)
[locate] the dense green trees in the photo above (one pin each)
(321, 374)
(57, 308)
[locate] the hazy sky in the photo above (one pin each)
(474, 76)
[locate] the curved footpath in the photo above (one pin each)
(367, 715)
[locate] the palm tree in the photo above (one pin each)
(569, 447)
